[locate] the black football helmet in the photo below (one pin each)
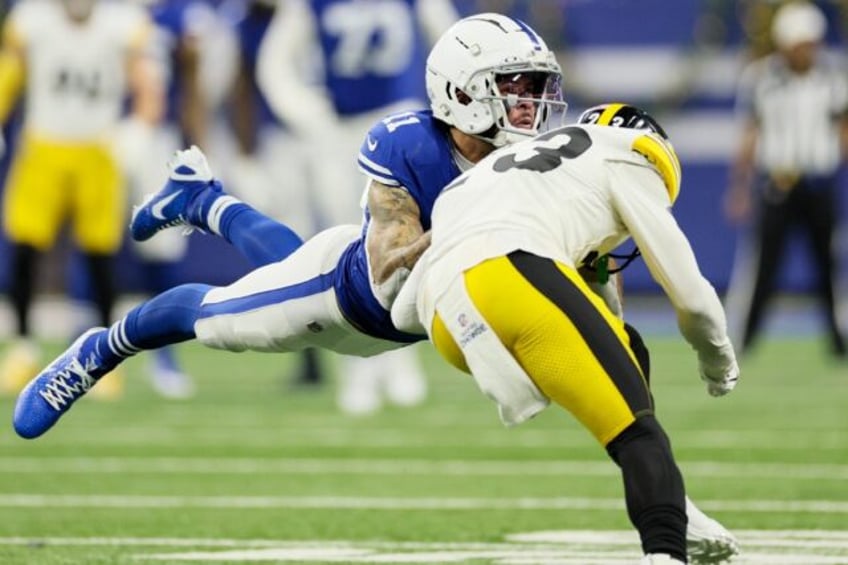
(617, 114)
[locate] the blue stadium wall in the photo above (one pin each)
(679, 59)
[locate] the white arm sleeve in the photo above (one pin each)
(290, 41)
(436, 16)
(641, 200)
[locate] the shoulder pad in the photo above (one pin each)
(662, 155)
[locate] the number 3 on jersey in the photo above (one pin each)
(570, 142)
(567, 143)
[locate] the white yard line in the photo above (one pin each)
(161, 434)
(570, 547)
(313, 466)
(391, 503)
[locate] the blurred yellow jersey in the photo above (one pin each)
(76, 79)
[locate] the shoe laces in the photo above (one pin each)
(68, 384)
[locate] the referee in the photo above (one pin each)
(794, 103)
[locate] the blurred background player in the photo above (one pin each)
(330, 69)
(180, 29)
(75, 61)
(785, 175)
(270, 165)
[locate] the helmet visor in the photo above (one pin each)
(530, 99)
(519, 86)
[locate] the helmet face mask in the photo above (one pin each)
(524, 98)
(484, 68)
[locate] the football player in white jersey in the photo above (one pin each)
(491, 80)
(75, 61)
(499, 294)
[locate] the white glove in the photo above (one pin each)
(721, 385)
(720, 372)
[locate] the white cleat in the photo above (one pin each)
(707, 541)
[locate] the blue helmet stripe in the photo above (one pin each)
(530, 33)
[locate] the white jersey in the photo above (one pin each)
(557, 196)
(76, 72)
(564, 195)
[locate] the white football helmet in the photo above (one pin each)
(467, 69)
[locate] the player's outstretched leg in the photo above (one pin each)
(707, 541)
(165, 319)
(52, 392)
(189, 180)
(193, 198)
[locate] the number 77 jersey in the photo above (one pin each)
(372, 52)
(564, 195)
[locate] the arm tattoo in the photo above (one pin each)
(396, 238)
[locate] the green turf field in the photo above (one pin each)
(249, 472)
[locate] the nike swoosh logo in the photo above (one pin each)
(372, 143)
(157, 209)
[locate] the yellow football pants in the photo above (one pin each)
(562, 334)
(51, 183)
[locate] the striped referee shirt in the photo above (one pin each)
(798, 116)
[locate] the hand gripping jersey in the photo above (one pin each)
(411, 150)
(373, 53)
(76, 79)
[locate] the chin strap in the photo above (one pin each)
(600, 265)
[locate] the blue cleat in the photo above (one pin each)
(52, 392)
(171, 206)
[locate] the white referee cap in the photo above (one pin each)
(798, 22)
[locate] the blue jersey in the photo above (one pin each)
(412, 150)
(374, 52)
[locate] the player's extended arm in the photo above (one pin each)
(737, 201)
(145, 83)
(193, 106)
(395, 239)
(145, 77)
(436, 16)
(304, 107)
(642, 203)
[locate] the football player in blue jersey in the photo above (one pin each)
(334, 290)
(370, 56)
